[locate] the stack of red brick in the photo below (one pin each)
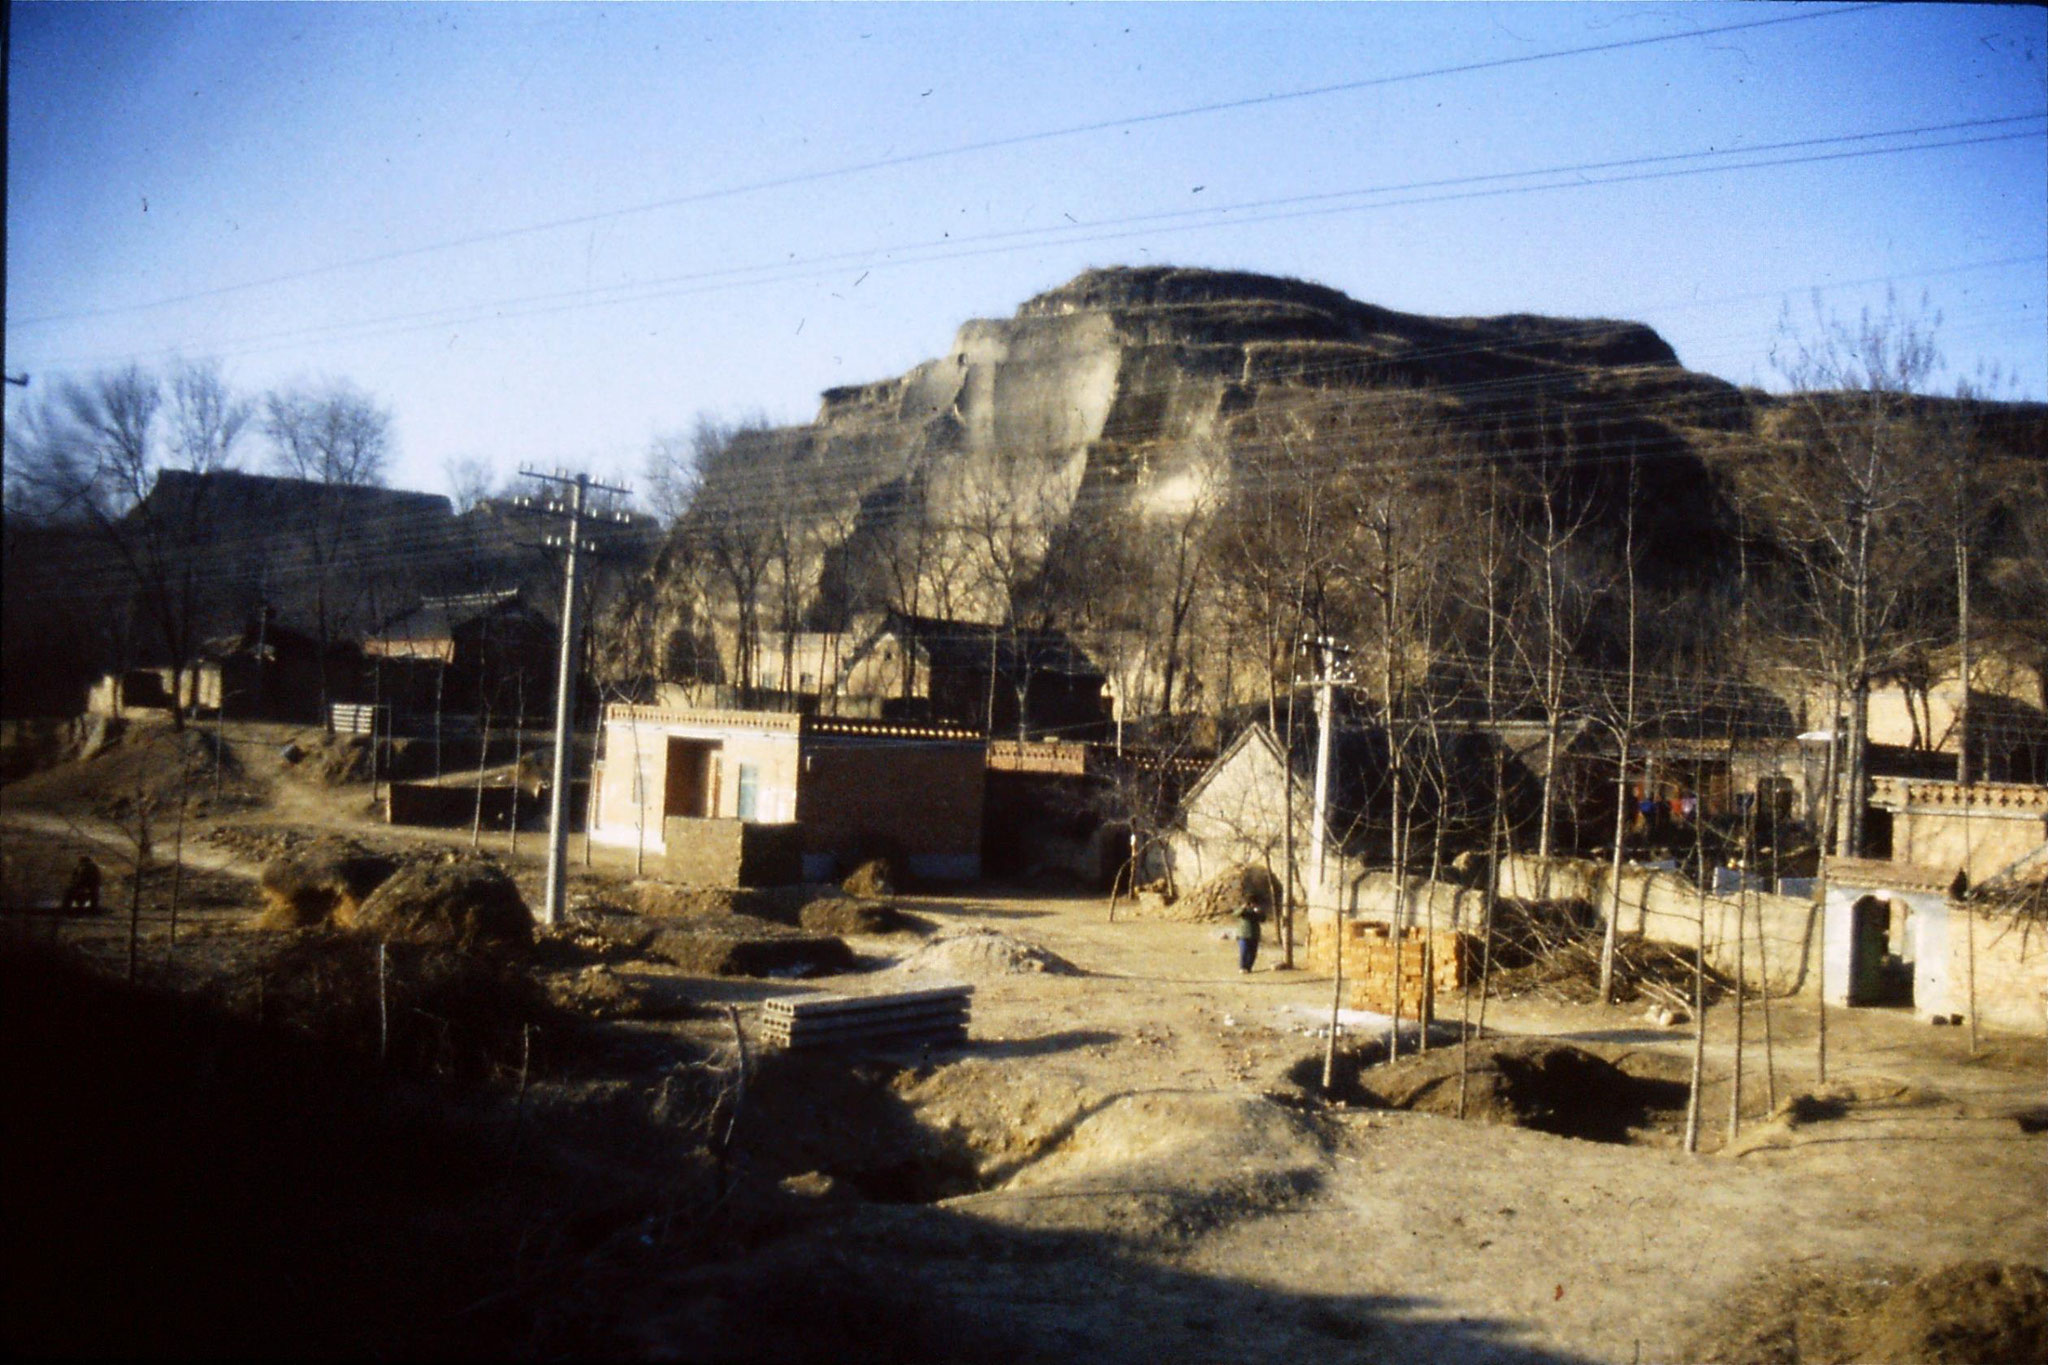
(1424, 964)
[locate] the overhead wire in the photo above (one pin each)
(963, 149)
(1090, 233)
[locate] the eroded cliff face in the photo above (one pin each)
(1131, 393)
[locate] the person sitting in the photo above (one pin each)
(82, 897)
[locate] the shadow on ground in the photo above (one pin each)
(189, 1183)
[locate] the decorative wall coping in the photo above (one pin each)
(1038, 756)
(783, 723)
(1979, 798)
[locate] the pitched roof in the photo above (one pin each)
(1880, 874)
(967, 646)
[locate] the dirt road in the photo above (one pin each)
(1123, 1164)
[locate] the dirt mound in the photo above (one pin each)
(337, 760)
(324, 881)
(972, 953)
(1169, 1167)
(123, 770)
(846, 915)
(462, 901)
(852, 1120)
(1534, 1083)
(1219, 898)
(1962, 1314)
(871, 879)
(743, 946)
(818, 909)
(425, 1009)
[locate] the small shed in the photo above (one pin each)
(717, 792)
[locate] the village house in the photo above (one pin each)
(1235, 813)
(268, 671)
(464, 652)
(1922, 714)
(730, 797)
(1027, 684)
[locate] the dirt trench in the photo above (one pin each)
(1549, 1087)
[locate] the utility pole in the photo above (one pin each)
(1319, 825)
(1319, 820)
(574, 546)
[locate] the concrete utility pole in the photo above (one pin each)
(579, 486)
(1325, 681)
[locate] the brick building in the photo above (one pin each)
(719, 793)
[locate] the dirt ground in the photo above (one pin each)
(1130, 1158)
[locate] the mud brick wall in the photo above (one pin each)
(732, 852)
(2012, 971)
(924, 799)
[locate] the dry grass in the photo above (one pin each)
(322, 882)
(1963, 1314)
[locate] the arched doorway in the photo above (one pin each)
(1880, 970)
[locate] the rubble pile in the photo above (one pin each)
(1219, 898)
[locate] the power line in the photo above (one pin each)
(957, 150)
(1286, 209)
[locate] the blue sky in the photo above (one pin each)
(547, 233)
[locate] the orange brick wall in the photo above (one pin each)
(924, 797)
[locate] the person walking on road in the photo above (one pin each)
(1247, 936)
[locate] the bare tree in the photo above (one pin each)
(208, 418)
(336, 436)
(672, 471)
(1554, 553)
(470, 482)
(1842, 486)
(102, 456)
(730, 524)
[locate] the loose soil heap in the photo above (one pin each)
(871, 879)
(459, 900)
(423, 1008)
(601, 992)
(1963, 1314)
(141, 767)
(819, 908)
(325, 881)
(972, 953)
(337, 760)
(740, 945)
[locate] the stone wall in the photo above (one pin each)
(2011, 971)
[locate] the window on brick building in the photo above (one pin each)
(749, 791)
